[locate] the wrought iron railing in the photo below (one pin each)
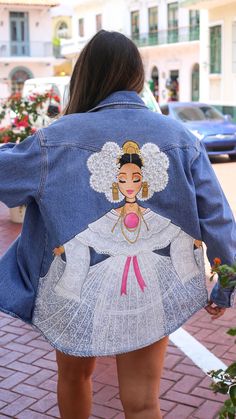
(28, 49)
(183, 3)
(169, 36)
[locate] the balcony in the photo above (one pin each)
(72, 47)
(169, 36)
(188, 3)
(203, 4)
(29, 49)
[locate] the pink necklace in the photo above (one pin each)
(131, 221)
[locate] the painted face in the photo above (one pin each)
(130, 180)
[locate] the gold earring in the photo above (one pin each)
(145, 190)
(115, 191)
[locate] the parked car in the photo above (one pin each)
(215, 130)
(60, 86)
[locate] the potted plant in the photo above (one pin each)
(22, 116)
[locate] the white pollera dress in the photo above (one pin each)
(129, 300)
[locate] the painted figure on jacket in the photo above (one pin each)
(136, 295)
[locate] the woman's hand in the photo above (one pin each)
(58, 250)
(216, 311)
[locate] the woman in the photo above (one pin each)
(124, 276)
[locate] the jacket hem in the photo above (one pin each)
(82, 354)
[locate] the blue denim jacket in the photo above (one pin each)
(48, 172)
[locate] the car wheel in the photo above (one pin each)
(232, 157)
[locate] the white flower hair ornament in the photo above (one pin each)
(104, 167)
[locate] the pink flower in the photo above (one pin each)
(32, 98)
(56, 98)
(24, 122)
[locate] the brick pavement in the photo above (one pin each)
(28, 372)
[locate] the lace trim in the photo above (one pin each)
(124, 248)
(104, 225)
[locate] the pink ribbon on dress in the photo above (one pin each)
(136, 271)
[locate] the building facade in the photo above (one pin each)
(61, 30)
(217, 52)
(26, 48)
(167, 36)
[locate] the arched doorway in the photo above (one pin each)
(18, 76)
(195, 82)
(155, 82)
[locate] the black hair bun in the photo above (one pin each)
(131, 158)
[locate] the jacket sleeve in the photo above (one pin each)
(217, 222)
(20, 169)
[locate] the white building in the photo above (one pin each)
(217, 52)
(26, 48)
(168, 38)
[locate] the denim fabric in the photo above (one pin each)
(48, 172)
(223, 297)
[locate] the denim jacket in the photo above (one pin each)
(48, 172)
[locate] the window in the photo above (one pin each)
(62, 30)
(81, 27)
(19, 33)
(234, 47)
(194, 22)
(152, 19)
(197, 113)
(98, 22)
(153, 25)
(135, 24)
(215, 49)
(173, 22)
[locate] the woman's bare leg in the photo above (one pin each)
(74, 389)
(139, 374)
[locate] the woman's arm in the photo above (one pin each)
(21, 169)
(217, 222)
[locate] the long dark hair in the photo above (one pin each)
(108, 63)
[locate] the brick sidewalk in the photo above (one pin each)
(28, 368)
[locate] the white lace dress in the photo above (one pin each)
(131, 299)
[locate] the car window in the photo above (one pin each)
(211, 113)
(30, 88)
(197, 113)
(165, 110)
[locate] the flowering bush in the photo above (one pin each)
(225, 381)
(226, 273)
(26, 112)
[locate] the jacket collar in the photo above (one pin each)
(121, 98)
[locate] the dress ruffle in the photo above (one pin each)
(100, 237)
(128, 301)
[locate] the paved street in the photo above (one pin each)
(28, 368)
